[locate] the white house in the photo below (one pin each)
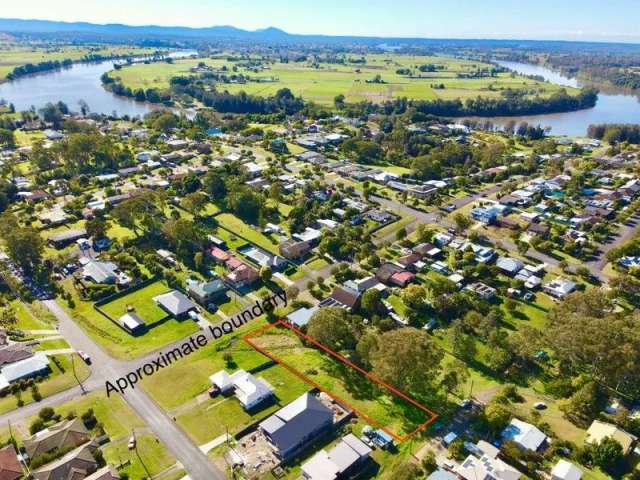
(249, 390)
(525, 435)
(565, 471)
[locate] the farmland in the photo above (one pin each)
(321, 82)
(14, 55)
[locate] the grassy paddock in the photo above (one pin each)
(323, 83)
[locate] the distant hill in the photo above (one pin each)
(163, 34)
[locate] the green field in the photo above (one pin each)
(13, 54)
(114, 339)
(322, 83)
(343, 381)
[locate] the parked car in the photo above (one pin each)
(86, 358)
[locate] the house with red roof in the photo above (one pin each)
(10, 468)
(402, 279)
(218, 255)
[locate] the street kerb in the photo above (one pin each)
(400, 438)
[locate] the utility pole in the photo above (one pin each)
(75, 375)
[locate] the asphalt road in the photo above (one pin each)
(103, 368)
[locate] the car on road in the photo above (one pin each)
(449, 207)
(540, 406)
(132, 443)
(85, 357)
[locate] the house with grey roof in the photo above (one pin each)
(175, 303)
(296, 425)
(206, 292)
(340, 462)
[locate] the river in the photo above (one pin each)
(610, 108)
(81, 81)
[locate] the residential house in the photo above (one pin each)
(483, 291)
(66, 237)
(302, 316)
(564, 470)
(296, 425)
(409, 261)
(314, 158)
(76, 464)
(402, 279)
(206, 292)
(341, 461)
(380, 216)
(510, 266)
(538, 230)
(61, 436)
(218, 255)
(484, 215)
(525, 435)
(217, 242)
(560, 287)
(294, 249)
(249, 390)
(104, 273)
(37, 365)
(310, 235)
(10, 468)
(423, 249)
(344, 297)
(486, 468)
(241, 274)
(363, 284)
(391, 274)
(14, 352)
(598, 431)
(176, 303)
(105, 473)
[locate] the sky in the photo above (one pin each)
(588, 20)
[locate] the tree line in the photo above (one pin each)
(615, 132)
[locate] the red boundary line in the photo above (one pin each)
(247, 338)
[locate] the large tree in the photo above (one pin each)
(330, 327)
(408, 359)
(24, 245)
(589, 336)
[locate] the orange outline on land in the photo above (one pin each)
(247, 338)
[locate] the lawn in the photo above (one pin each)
(149, 458)
(211, 418)
(115, 340)
(32, 317)
(61, 378)
(142, 301)
(251, 234)
(54, 344)
(317, 264)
